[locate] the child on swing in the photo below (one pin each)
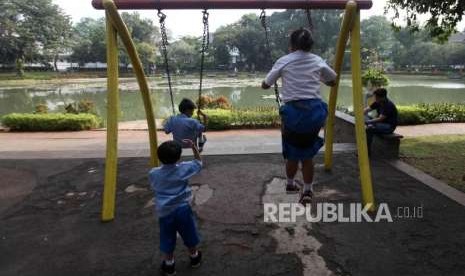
(304, 112)
(183, 126)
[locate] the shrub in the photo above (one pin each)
(82, 106)
(207, 102)
(86, 106)
(410, 115)
(268, 117)
(443, 112)
(41, 109)
(50, 122)
(428, 113)
(221, 103)
(375, 78)
(222, 119)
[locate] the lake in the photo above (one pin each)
(242, 92)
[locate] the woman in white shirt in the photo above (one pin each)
(304, 112)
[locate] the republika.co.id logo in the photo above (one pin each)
(332, 212)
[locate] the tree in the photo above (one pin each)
(248, 36)
(377, 34)
(183, 53)
(90, 46)
(146, 54)
(222, 46)
(145, 36)
(326, 25)
(29, 29)
(60, 42)
(444, 15)
(142, 30)
(377, 41)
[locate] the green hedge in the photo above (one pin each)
(431, 113)
(222, 119)
(50, 122)
(410, 115)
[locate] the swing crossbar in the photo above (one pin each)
(232, 4)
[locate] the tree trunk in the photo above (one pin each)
(19, 67)
(55, 60)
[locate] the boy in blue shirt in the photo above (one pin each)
(173, 195)
(183, 126)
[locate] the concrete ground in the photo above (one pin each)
(52, 226)
(133, 141)
(91, 144)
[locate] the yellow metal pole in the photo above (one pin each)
(347, 24)
(362, 148)
(125, 36)
(111, 164)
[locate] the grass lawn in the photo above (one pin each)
(48, 75)
(442, 156)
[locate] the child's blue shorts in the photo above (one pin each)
(179, 221)
(301, 122)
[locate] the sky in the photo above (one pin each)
(188, 22)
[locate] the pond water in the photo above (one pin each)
(242, 92)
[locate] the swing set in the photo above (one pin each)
(350, 28)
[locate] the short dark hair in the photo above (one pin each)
(380, 92)
(186, 104)
(169, 152)
(301, 39)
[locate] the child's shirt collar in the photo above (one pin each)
(168, 166)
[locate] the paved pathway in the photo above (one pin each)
(91, 144)
(407, 131)
(133, 141)
(432, 129)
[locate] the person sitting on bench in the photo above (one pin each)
(386, 120)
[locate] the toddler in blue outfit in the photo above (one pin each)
(173, 195)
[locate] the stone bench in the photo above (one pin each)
(384, 145)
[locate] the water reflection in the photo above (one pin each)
(242, 93)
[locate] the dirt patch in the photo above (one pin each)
(14, 186)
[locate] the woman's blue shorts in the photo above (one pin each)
(302, 120)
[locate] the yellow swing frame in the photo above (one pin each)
(115, 26)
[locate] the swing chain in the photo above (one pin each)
(164, 43)
(309, 19)
(268, 50)
(206, 31)
(205, 45)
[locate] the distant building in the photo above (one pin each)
(234, 53)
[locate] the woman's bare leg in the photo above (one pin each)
(291, 168)
(307, 173)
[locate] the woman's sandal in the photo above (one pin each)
(306, 198)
